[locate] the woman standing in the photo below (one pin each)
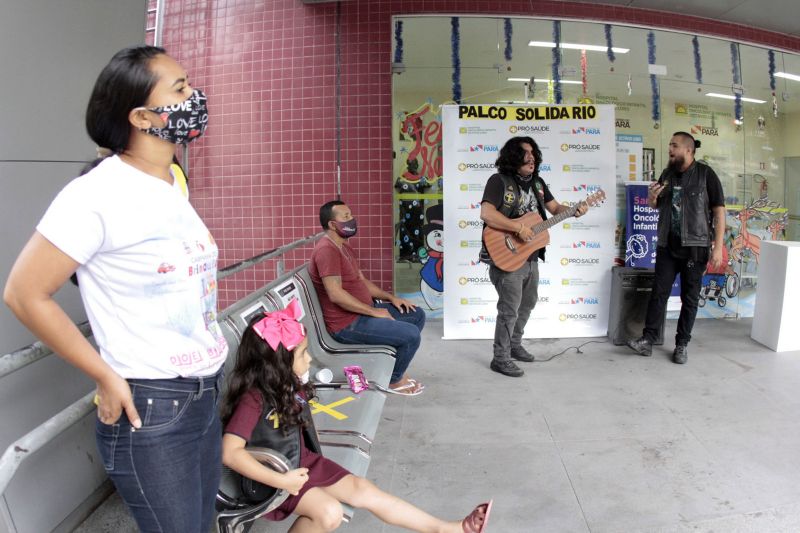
(146, 265)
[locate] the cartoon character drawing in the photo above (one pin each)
(410, 220)
(432, 273)
(746, 242)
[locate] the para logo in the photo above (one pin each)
(702, 130)
(586, 244)
(585, 131)
(588, 188)
(482, 319)
(545, 167)
(589, 300)
(484, 148)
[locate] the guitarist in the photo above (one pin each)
(514, 191)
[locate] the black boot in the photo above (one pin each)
(641, 346)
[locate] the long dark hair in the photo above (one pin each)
(512, 156)
(269, 372)
(124, 84)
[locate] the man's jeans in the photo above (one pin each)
(691, 273)
(517, 293)
(403, 333)
(168, 471)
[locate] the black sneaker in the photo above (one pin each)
(641, 346)
(680, 355)
(521, 354)
(507, 368)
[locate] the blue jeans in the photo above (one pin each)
(403, 333)
(517, 294)
(168, 471)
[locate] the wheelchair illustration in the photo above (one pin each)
(715, 281)
(713, 286)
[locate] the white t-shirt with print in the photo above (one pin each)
(148, 271)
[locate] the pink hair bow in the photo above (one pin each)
(282, 327)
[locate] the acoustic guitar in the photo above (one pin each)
(509, 252)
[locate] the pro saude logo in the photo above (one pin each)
(577, 317)
(463, 167)
(528, 129)
(476, 224)
(580, 261)
(582, 148)
(477, 280)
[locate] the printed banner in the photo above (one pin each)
(641, 225)
(578, 148)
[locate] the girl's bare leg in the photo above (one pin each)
(363, 494)
(319, 512)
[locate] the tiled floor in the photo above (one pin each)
(600, 441)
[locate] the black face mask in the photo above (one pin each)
(184, 122)
(347, 229)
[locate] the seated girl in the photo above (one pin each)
(267, 405)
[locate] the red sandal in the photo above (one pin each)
(476, 521)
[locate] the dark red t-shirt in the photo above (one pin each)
(327, 259)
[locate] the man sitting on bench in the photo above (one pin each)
(347, 299)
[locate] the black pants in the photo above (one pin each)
(667, 267)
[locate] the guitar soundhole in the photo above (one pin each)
(510, 244)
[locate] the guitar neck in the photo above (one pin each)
(555, 219)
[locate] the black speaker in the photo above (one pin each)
(630, 294)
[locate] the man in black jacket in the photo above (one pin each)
(688, 194)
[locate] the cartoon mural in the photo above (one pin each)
(418, 186)
(432, 273)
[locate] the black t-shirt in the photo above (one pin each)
(494, 193)
(529, 190)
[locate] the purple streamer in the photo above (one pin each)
(398, 41)
(509, 30)
(654, 89)
(609, 44)
(455, 45)
(737, 80)
(771, 56)
(557, 60)
(698, 66)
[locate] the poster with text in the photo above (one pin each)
(578, 159)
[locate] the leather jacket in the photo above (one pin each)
(695, 211)
(266, 435)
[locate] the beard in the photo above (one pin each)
(677, 162)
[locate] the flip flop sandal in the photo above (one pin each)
(420, 386)
(476, 522)
(412, 389)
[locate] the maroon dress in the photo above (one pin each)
(322, 472)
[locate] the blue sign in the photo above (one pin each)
(641, 227)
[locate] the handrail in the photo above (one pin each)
(11, 362)
(24, 447)
(280, 250)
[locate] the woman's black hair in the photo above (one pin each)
(512, 156)
(124, 84)
(269, 372)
